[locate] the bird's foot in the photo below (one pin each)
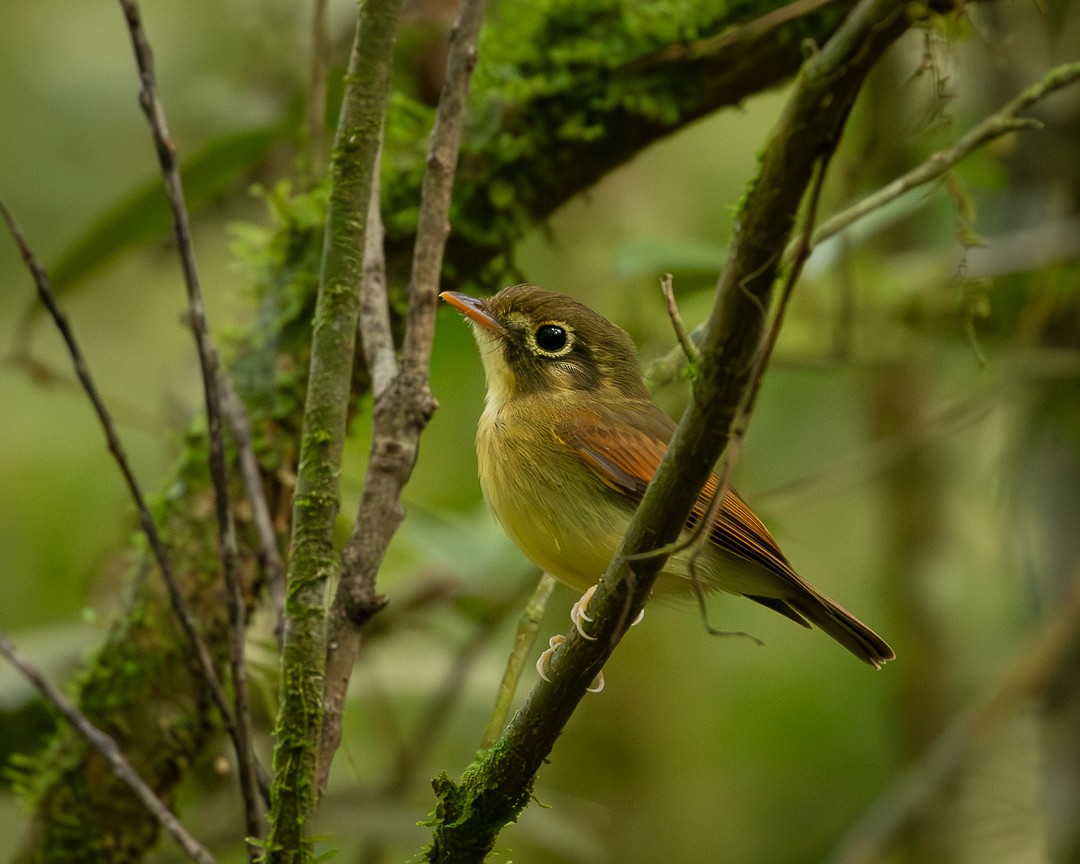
(544, 662)
(579, 614)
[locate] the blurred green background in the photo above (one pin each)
(914, 450)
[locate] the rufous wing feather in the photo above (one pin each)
(625, 456)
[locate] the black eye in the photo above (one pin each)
(551, 338)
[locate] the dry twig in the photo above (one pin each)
(107, 747)
(665, 368)
(240, 728)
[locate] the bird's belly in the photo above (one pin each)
(573, 543)
(551, 506)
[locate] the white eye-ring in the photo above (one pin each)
(553, 339)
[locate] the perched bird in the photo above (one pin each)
(568, 441)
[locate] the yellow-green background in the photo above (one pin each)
(700, 748)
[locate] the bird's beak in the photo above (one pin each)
(474, 309)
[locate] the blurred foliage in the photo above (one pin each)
(916, 447)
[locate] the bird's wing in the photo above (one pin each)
(625, 457)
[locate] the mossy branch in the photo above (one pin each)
(471, 814)
(403, 400)
(317, 498)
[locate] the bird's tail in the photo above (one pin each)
(844, 627)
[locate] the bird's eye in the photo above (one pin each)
(551, 338)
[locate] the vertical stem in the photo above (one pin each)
(317, 499)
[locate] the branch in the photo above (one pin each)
(1000, 123)
(157, 546)
(108, 748)
(240, 728)
(664, 369)
(403, 400)
(471, 814)
(317, 498)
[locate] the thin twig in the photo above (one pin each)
(405, 404)
(107, 747)
(664, 369)
(524, 639)
(745, 33)
(997, 124)
(209, 365)
(116, 448)
(693, 355)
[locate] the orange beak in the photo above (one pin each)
(474, 309)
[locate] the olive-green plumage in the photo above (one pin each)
(568, 441)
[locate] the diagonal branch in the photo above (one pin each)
(108, 748)
(209, 364)
(1001, 122)
(498, 786)
(403, 400)
(157, 546)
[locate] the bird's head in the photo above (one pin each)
(539, 343)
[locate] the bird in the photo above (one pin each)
(570, 437)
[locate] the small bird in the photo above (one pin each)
(568, 440)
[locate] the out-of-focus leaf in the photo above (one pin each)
(648, 256)
(144, 215)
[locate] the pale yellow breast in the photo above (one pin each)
(548, 502)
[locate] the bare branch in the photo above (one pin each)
(405, 405)
(107, 747)
(690, 350)
(209, 365)
(997, 124)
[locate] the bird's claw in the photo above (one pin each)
(579, 613)
(543, 662)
